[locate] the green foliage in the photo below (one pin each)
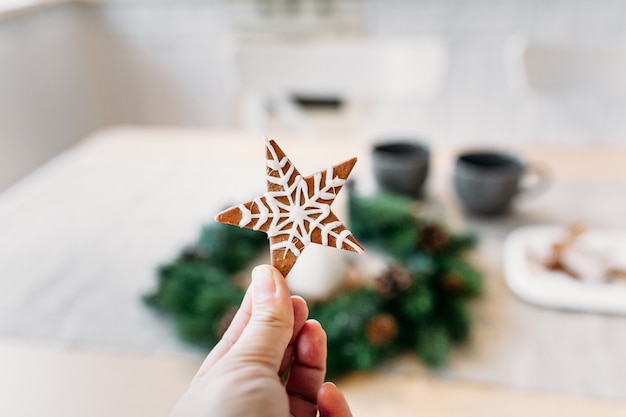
(382, 222)
(344, 319)
(427, 316)
(228, 248)
(469, 277)
(196, 289)
(433, 345)
(416, 305)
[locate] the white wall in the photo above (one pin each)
(70, 69)
(170, 60)
(45, 97)
(180, 70)
(476, 103)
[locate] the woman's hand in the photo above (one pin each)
(270, 362)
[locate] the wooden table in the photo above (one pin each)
(47, 381)
(80, 239)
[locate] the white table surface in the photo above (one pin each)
(80, 240)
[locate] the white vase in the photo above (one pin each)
(319, 272)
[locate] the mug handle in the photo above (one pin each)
(535, 180)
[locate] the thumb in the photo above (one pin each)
(270, 328)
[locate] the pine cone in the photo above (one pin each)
(433, 238)
(452, 284)
(393, 281)
(381, 330)
(191, 254)
(224, 322)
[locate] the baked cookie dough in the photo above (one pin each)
(295, 211)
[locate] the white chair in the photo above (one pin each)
(366, 75)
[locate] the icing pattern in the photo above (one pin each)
(292, 212)
(295, 211)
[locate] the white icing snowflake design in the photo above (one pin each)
(303, 213)
(295, 211)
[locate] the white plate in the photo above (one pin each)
(532, 282)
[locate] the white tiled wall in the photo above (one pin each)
(70, 69)
(178, 56)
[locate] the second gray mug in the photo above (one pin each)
(486, 182)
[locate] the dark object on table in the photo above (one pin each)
(401, 166)
(486, 182)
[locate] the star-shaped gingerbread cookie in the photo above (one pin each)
(295, 210)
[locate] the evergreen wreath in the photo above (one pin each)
(419, 303)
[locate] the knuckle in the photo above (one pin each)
(272, 319)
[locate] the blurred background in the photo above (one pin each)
(142, 101)
(462, 70)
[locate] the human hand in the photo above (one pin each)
(270, 362)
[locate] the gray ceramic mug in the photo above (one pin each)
(401, 166)
(487, 182)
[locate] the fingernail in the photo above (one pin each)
(303, 300)
(263, 285)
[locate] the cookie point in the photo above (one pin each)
(232, 216)
(219, 217)
(344, 168)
